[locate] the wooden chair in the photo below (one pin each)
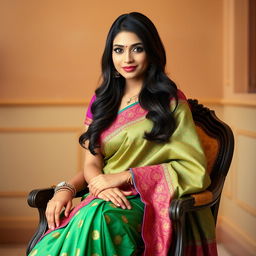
(218, 142)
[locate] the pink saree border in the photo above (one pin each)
(152, 185)
(89, 115)
(129, 116)
(156, 190)
(124, 119)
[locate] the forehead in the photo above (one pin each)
(126, 38)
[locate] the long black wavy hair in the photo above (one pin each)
(156, 91)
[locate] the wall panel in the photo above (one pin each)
(39, 147)
(246, 149)
(237, 222)
(40, 156)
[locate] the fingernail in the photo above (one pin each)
(118, 205)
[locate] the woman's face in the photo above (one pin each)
(129, 56)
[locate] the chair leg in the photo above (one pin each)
(179, 235)
(42, 227)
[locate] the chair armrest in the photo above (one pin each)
(202, 198)
(192, 202)
(180, 206)
(38, 198)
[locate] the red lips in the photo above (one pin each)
(129, 68)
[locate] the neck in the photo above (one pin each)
(133, 87)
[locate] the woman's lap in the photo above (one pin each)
(100, 228)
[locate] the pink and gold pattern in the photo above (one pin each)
(156, 193)
(124, 119)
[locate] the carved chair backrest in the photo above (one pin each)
(210, 146)
(218, 143)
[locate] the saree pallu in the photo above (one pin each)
(160, 172)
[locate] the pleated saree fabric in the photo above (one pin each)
(160, 172)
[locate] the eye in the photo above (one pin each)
(118, 50)
(138, 49)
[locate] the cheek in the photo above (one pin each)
(116, 61)
(144, 63)
(143, 60)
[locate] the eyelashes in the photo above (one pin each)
(139, 49)
(120, 50)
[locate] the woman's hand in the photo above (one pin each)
(117, 197)
(61, 199)
(104, 181)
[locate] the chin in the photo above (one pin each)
(130, 76)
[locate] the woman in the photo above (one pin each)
(142, 151)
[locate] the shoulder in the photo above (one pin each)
(92, 99)
(181, 99)
(181, 96)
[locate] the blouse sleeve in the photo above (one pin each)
(89, 116)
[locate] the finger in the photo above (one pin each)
(98, 190)
(114, 199)
(50, 216)
(104, 197)
(58, 209)
(47, 214)
(93, 190)
(121, 199)
(125, 201)
(93, 182)
(68, 207)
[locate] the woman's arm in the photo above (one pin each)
(93, 164)
(105, 186)
(63, 198)
(105, 181)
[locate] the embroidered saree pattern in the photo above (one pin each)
(160, 172)
(157, 201)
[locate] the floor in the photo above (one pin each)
(20, 250)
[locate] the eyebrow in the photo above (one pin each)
(120, 45)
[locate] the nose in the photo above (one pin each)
(128, 58)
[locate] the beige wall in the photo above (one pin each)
(50, 59)
(51, 50)
(237, 222)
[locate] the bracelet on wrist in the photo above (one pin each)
(64, 189)
(65, 186)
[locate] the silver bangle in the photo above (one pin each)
(65, 186)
